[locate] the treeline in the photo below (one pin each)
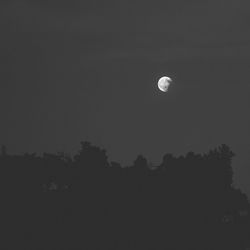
(56, 201)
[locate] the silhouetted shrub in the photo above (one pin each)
(87, 202)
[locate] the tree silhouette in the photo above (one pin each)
(69, 202)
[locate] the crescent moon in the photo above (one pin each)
(164, 83)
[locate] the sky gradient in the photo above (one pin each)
(88, 70)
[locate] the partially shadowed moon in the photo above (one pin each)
(164, 83)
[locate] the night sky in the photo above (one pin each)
(88, 70)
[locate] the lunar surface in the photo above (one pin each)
(164, 83)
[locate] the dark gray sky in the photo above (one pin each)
(76, 70)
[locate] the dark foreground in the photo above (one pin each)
(84, 202)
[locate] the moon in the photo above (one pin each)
(164, 83)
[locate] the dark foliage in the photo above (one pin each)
(84, 202)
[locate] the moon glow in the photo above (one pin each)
(164, 83)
